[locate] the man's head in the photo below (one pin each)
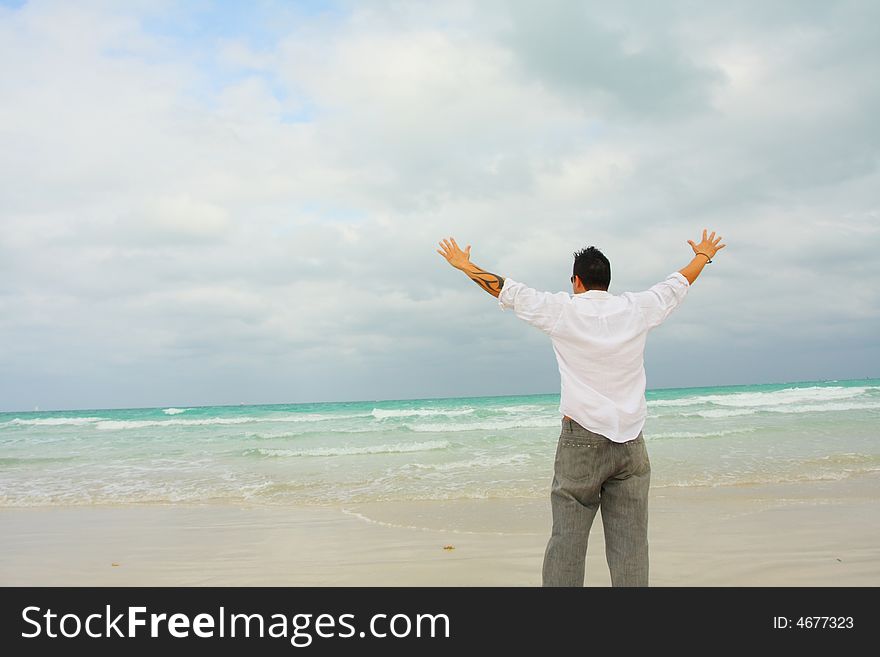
(591, 270)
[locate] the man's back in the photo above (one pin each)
(601, 457)
(599, 341)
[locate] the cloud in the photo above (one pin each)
(609, 61)
(208, 208)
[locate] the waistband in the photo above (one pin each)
(573, 426)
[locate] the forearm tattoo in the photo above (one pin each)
(490, 282)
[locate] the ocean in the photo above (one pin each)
(426, 449)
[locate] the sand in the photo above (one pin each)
(806, 534)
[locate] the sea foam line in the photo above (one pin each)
(384, 413)
(769, 398)
(106, 424)
(445, 530)
(521, 423)
(398, 448)
(484, 462)
(797, 408)
(716, 482)
(54, 421)
(697, 434)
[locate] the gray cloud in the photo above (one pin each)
(631, 63)
(219, 222)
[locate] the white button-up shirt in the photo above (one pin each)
(599, 341)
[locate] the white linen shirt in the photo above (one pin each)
(599, 341)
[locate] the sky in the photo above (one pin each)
(221, 203)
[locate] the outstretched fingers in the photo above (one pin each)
(451, 246)
(449, 249)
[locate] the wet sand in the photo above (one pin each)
(823, 533)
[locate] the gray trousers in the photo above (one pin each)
(592, 472)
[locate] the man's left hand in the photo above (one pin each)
(454, 255)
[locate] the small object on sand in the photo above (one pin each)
(114, 564)
(448, 547)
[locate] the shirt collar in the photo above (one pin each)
(594, 294)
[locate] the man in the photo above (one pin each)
(601, 460)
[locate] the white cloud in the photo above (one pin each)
(199, 222)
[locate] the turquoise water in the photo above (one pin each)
(475, 447)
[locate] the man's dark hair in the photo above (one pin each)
(593, 268)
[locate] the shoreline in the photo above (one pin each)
(819, 533)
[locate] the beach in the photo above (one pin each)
(771, 484)
(797, 534)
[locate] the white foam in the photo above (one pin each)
(398, 448)
(846, 458)
(55, 421)
(771, 398)
(722, 412)
(813, 408)
(694, 434)
(497, 425)
(687, 401)
(271, 435)
(382, 413)
(310, 417)
(796, 408)
(175, 411)
(115, 425)
(525, 408)
(480, 462)
(760, 479)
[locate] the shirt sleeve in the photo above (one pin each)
(540, 309)
(658, 302)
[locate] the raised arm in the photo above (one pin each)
(703, 253)
(459, 259)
